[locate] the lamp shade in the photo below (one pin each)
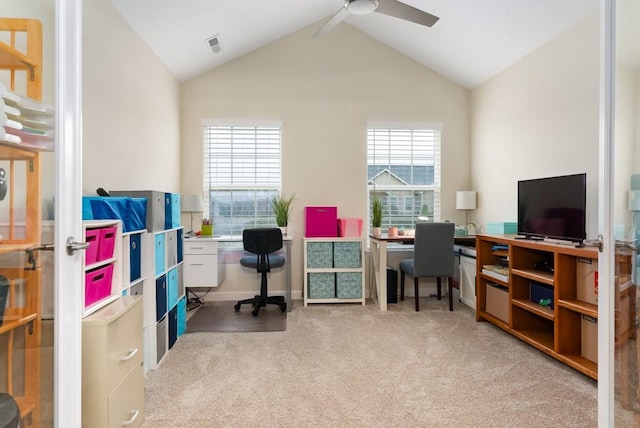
(424, 213)
(466, 200)
(191, 203)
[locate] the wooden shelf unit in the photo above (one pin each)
(22, 317)
(557, 331)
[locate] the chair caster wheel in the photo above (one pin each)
(237, 307)
(255, 312)
(283, 308)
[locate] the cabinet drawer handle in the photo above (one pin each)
(197, 248)
(132, 419)
(196, 264)
(130, 355)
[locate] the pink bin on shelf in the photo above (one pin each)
(97, 285)
(92, 237)
(321, 222)
(350, 227)
(107, 243)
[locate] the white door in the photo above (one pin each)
(618, 352)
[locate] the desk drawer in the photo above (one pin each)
(200, 270)
(126, 402)
(200, 247)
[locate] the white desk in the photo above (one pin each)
(287, 239)
(379, 262)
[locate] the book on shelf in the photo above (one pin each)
(496, 272)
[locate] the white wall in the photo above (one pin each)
(538, 118)
(324, 91)
(131, 108)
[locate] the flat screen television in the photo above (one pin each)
(553, 207)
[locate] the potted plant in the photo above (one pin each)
(282, 208)
(376, 216)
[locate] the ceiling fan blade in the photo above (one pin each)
(406, 12)
(337, 18)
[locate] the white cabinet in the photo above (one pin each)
(333, 270)
(102, 264)
(203, 263)
(112, 365)
(468, 281)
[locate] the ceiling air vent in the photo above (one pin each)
(214, 43)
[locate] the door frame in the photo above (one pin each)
(606, 266)
(68, 303)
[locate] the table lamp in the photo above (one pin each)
(191, 204)
(424, 213)
(466, 200)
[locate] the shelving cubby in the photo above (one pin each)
(555, 331)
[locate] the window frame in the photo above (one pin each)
(418, 200)
(269, 160)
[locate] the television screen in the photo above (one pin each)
(553, 207)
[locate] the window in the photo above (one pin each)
(242, 173)
(404, 172)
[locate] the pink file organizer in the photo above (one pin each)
(321, 222)
(97, 284)
(107, 243)
(350, 227)
(92, 237)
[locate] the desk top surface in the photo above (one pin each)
(460, 240)
(229, 238)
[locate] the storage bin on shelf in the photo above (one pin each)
(322, 285)
(321, 222)
(349, 285)
(319, 255)
(97, 285)
(346, 255)
(502, 228)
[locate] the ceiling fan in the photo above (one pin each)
(386, 7)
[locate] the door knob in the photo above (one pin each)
(73, 245)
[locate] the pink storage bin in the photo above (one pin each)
(97, 285)
(107, 243)
(321, 222)
(350, 227)
(92, 237)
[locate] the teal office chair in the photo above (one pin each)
(432, 257)
(262, 243)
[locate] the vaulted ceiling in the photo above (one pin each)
(471, 42)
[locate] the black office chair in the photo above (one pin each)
(262, 242)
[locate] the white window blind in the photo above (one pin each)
(242, 173)
(404, 172)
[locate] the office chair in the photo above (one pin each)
(432, 257)
(9, 412)
(262, 243)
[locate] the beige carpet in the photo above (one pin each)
(222, 317)
(354, 366)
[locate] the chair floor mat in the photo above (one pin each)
(221, 317)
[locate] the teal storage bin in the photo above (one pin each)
(182, 316)
(346, 255)
(349, 285)
(319, 255)
(322, 285)
(502, 228)
(159, 253)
